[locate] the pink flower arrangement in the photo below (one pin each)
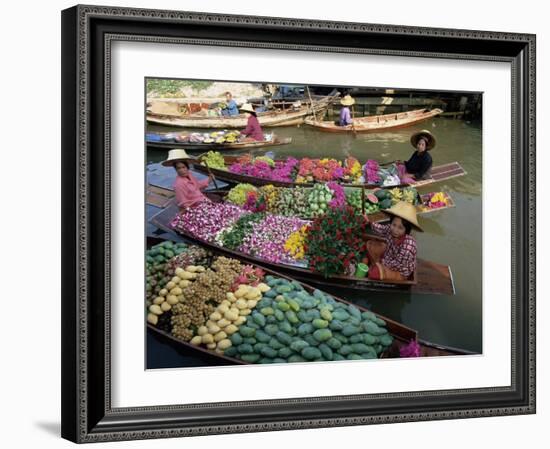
(206, 219)
(338, 195)
(411, 350)
(268, 237)
(258, 168)
(371, 172)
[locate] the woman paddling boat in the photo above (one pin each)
(253, 131)
(188, 188)
(345, 114)
(419, 164)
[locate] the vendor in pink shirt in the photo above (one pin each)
(186, 186)
(253, 131)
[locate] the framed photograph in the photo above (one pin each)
(266, 222)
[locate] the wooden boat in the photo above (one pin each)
(429, 277)
(272, 118)
(439, 173)
(401, 334)
(160, 197)
(376, 123)
(236, 146)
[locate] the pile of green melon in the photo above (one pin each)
(289, 324)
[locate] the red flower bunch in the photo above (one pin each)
(321, 169)
(336, 240)
(255, 202)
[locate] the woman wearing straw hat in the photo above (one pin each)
(253, 131)
(345, 114)
(186, 186)
(394, 259)
(420, 163)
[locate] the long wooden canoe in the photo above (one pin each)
(439, 173)
(401, 334)
(236, 146)
(376, 123)
(277, 117)
(160, 197)
(429, 277)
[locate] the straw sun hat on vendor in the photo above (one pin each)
(177, 155)
(247, 107)
(405, 211)
(347, 101)
(426, 135)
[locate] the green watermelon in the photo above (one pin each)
(381, 194)
(385, 204)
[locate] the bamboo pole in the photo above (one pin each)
(311, 103)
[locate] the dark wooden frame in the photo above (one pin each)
(87, 33)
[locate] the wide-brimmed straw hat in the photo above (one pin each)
(247, 107)
(426, 135)
(406, 211)
(347, 101)
(176, 155)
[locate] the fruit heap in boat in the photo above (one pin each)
(236, 310)
(307, 170)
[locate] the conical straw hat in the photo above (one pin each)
(427, 135)
(406, 211)
(176, 155)
(347, 100)
(247, 107)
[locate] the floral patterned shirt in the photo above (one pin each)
(400, 255)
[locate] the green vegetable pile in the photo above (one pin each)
(214, 159)
(233, 237)
(292, 202)
(291, 325)
(237, 195)
(156, 259)
(353, 199)
(319, 197)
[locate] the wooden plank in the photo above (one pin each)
(161, 191)
(433, 278)
(157, 200)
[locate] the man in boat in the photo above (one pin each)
(253, 131)
(345, 114)
(395, 258)
(231, 108)
(419, 164)
(186, 186)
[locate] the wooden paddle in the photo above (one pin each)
(211, 174)
(353, 122)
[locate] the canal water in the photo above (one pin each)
(452, 237)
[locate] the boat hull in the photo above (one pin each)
(376, 123)
(276, 118)
(222, 147)
(429, 277)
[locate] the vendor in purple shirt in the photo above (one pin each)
(253, 131)
(345, 114)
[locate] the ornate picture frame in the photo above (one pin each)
(87, 35)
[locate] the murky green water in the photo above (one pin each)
(451, 237)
